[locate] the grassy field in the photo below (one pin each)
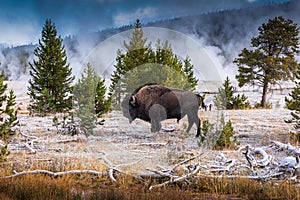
(33, 187)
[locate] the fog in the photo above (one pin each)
(211, 40)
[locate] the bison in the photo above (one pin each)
(155, 103)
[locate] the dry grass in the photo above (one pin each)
(100, 187)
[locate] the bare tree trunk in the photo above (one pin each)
(264, 96)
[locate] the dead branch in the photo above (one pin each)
(111, 174)
(185, 161)
(28, 136)
(112, 168)
(288, 147)
(162, 174)
(265, 160)
(56, 174)
(68, 140)
(222, 168)
(151, 144)
(29, 148)
(257, 177)
(174, 180)
(253, 162)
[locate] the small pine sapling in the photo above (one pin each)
(226, 138)
(225, 98)
(8, 116)
(293, 104)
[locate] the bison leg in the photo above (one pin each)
(194, 119)
(157, 113)
(198, 128)
(155, 126)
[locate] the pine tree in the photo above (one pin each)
(294, 105)
(225, 98)
(189, 74)
(89, 98)
(8, 116)
(272, 58)
(225, 94)
(226, 135)
(102, 105)
(51, 76)
(141, 65)
(137, 54)
(115, 89)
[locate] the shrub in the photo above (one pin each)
(222, 137)
(206, 128)
(267, 106)
(226, 100)
(226, 137)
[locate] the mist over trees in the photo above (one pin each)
(226, 31)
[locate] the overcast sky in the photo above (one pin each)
(21, 21)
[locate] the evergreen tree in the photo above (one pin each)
(115, 89)
(294, 105)
(51, 76)
(102, 105)
(8, 116)
(137, 54)
(272, 58)
(225, 98)
(225, 95)
(189, 73)
(226, 134)
(89, 98)
(141, 65)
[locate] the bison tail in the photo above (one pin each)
(201, 100)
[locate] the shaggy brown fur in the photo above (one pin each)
(155, 103)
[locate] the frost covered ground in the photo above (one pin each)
(132, 147)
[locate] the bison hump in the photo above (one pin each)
(149, 95)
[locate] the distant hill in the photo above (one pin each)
(226, 32)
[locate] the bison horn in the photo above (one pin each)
(133, 101)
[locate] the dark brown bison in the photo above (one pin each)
(155, 103)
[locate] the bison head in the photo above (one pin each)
(130, 108)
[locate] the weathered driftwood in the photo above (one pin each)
(185, 161)
(259, 163)
(177, 179)
(223, 168)
(250, 155)
(288, 147)
(56, 174)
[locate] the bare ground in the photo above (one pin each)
(131, 147)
